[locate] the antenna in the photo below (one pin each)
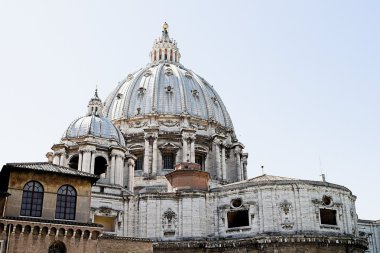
(262, 169)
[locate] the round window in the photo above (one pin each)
(326, 200)
(235, 203)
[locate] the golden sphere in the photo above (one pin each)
(165, 26)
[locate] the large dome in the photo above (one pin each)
(165, 87)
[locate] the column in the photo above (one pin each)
(192, 150)
(112, 174)
(245, 166)
(224, 169)
(80, 160)
(217, 160)
(131, 174)
(154, 156)
(146, 156)
(238, 169)
(92, 170)
(86, 161)
(184, 150)
(119, 170)
(62, 159)
(56, 159)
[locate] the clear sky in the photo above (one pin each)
(300, 79)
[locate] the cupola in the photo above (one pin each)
(164, 48)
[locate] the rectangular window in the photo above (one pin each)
(168, 160)
(238, 218)
(139, 162)
(328, 217)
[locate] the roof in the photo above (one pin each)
(166, 87)
(52, 168)
(94, 125)
(270, 180)
(267, 178)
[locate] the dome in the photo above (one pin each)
(94, 124)
(165, 87)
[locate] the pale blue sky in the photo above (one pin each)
(300, 79)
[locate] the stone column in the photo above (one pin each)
(154, 155)
(146, 156)
(192, 149)
(244, 164)
(80, 161)
(86, 161)
(112, 172)
(184, 150)
(217, 159)
(131, 174)
(224, 169)
(238, 168)
(62, 159)
(92, 170)
(119, 170)
(56, 159)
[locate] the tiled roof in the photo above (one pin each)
(49, 167)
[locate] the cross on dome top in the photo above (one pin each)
(164, 48)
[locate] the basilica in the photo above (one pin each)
(157, 167)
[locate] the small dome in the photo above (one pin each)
(94, 124)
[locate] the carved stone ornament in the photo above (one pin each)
(195, 93)
(168, 71)
(288, 225)
(285, 206)
(129, 77)
(141, 90)
(138, 124)
(188, 75)
(198, 126)
(169, 123)
(169, 89)
(147, 73)
(169, 220)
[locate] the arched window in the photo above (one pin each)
(32, 198)
(74, 160)
(66, 203)
(100, 165)
(57, 247)
(166, 54)
(171, 55)
(159, 56)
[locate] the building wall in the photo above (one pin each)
(371, 231)
(123, 245)
(51, 183)
(272, 208)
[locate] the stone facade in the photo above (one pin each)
(370, 230)
(171, 171)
